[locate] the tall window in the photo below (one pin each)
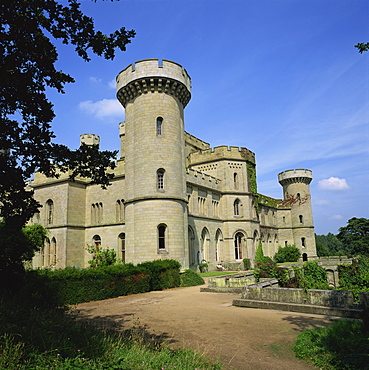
(122, 246)
(160, 179)
(236, 207)
(238, 246)
(161, 236)
(49, 212)
(96, 213)
(301, 219)
(159, 126)
(119, 210)
(53, 252)
(303, 244)
(46, 253)
(235, 180)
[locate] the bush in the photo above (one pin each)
(267, 268)
(246, 264)
(342, 345)
(191, 278)
(289, 253)
(164, 273)
(259, 254)
(311, 276)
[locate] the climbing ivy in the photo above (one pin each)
(252, 177)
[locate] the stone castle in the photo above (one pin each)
(173, 196)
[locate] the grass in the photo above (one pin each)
(216, 273)
(36, 335)
(342, 345)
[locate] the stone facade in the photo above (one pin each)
(172, 195)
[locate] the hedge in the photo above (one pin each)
(72, 286)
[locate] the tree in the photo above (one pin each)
(289, 253)
(329, 245)
(362, 46)
(259, 254)
(355, 236)
(27, 69)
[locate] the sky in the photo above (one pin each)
(279, 77)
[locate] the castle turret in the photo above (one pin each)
(89, 139)
(296, 193)
(154, 95)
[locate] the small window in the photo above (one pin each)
(236, 207)
(49, 212)
(160, 179)
(97, 241)
(161, 236)
(298, 197)
(159, 126)
(235, 180)
(301, 219)
(303, 244)
(122, 245)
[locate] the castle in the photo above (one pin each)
(172, 195)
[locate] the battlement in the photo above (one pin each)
(89, 139)
(153, 68)
(203, 179)
(292, 176)
(196, 142)
(221, 152)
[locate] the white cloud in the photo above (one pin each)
(103, 108)
(333, 183)
(336, 217)
(95, 80)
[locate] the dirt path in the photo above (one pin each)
(243, 338)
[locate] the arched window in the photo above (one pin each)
(122, 246)
(119, 208)
(236, 207)
(303, 244)
(46, 253)
(49, 212)
(218, 245)
(97, 241)
(238, 246)
(298, 197)
(96, 213)
(159, 126)
(160, 179)
(235, 180)
(301, 219)
(53, 252)
(205, 241)
(161, 236)
(191, 246)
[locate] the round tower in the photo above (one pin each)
(154, 95)
(89, 139)
(296, 194)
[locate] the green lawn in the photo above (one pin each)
(216, 273)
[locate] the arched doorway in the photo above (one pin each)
(205, 244)
(219, 245)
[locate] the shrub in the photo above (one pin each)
(289, 253)
(311, 276)
(203, 266)
(191, 278)
(267, 268)
(246, 264)
(101, 257)
(259, 254)
(164, 273)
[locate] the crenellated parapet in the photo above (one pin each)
(221, 152)
(153, 76)
(295, 176)
(89, 139)
(202, 179)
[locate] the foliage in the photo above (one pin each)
(101, 257)
(17, 246)
(74, 286)
(251, 171)
(355, 277)
(310, 276)
(289, 253)
(203, 266)
(355, 236)
(329, 245)
(246, 264)
(362, 46)
(27, 69)
(191, 278)
(268, 268)
(342, 345)
(164, 274)
(259, 254)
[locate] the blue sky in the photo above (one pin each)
(280, 77)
